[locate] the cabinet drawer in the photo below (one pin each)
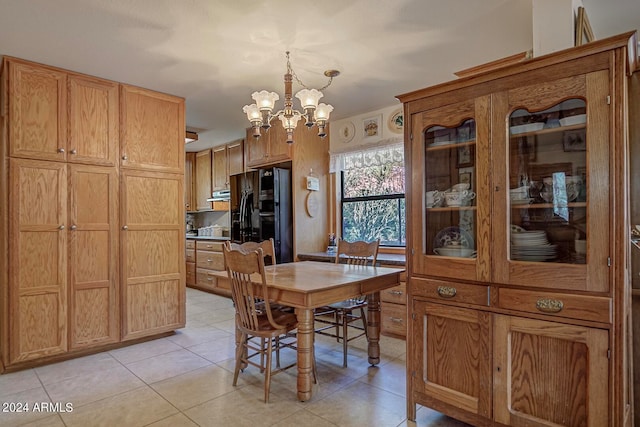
(191, 244)
(393, 318)
(585, 307)
(210, 260)
(191, 273)
(190, 255)
(224, 283)
(206, 278)
(208, 245)
(397, 294)
(450, 291)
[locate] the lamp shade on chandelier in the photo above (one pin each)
(261, 113)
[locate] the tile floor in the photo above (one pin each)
(185, 380)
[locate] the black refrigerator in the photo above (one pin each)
(261, 209)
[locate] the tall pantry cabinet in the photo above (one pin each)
(518, 260)
(61, 236)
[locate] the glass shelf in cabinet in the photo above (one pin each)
(549, 130)
(549, 205)
(452, 208)
(447, 145)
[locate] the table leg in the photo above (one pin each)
(373, 327)
(305, 353)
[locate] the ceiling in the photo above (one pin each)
(216, 53)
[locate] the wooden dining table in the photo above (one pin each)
(310, 284)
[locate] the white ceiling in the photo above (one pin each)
(216, 53)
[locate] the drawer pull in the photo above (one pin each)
(396, 319)
(395, 292)
(210, 279)
(446, 291)
(209, 260)
(548, 305)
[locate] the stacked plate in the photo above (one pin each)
(531, 246)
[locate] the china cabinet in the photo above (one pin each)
(517, 283)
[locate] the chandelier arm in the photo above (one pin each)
(293, 73)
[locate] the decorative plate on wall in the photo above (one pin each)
(396, 121)
(346, 132)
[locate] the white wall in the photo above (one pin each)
(339, 131)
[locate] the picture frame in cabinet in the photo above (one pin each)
(465, 156)
(574, 140)
(372, 128)
(466, 176)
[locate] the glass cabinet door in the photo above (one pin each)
(447, 216)
(556, 186)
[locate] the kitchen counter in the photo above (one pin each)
(386, 259)
(207, 238)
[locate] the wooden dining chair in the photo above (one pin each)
(253, 318)
(337, 318)
(267, 246)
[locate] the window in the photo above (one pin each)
(373, 201)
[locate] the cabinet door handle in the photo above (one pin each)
(447, 291)
(124, 157)
(73, 227)
(549, 305)
(61, 227)
(61, 150)
(74, 151)
(124, 227)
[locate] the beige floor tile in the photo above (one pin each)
(390, 377)
(73, 368)
(16, 382)
(177, 420)
(163, 366)
(228, 326)
(243, 407)
(188, 337)
(22, 409)
(196, 387)
(144, 350)
(131, 409)
(304, 418)
(51, 421)
(361, 405)
(97, 385)
(218, 350)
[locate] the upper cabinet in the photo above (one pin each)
(506, 192)
(270, 148)
(61, 116)
(203, 180)
(152, 130)
(227, 160)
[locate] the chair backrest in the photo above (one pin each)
(267, 246)
(358, 252)
(241, 266)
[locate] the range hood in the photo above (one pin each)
(220, 196)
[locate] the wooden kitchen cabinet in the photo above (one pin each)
(72, 281)
(61, 116)
(566, 364)
(235, 157)
(209, 259)
(220, 172)
(271, 148)
(189, 182)
(38, 289)
(190, 258)
(152, 251)
(203, 180)
(94, 309)
(151, 124)
(393, 309)
(512, 175)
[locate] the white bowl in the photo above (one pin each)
(455, 251)
(573, 120)
(529, 127)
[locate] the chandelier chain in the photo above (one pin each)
(293, 73)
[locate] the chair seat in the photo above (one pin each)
(287, 320)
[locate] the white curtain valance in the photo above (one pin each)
(370, 156)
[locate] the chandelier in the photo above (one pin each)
(261, 113)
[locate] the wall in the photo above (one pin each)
(349, 134)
